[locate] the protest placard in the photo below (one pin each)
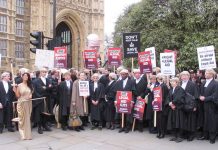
(206, 57)
(152, 55)
(124, 99)
(44, 58)
(90, 57)
(114, 57)
(157, 102)
(167, 63)
(144, 61)
(139, 108)
(60, 57)
(84, 88)
(131, 44)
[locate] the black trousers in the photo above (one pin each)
(161, 123)
(210, 135)
(6, 115)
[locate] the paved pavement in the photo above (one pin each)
(97, 140)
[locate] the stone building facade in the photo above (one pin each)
(75, 20)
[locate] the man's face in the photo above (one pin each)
(137, 75)
(6, 78)
(43, 73)
(208, 75)
(184, 77)
(95, 78)
(67, 77)
(124, 75)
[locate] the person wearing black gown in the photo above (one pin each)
(97, 95)
(64, 98)
(140, 81)
(7, 96)
(42, 87)
(126, 84)
(175, 100)
(190, 115)
(149, 114)
(110, 109)
(209, 95)
(163, 114)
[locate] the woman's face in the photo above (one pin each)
(25, 77)
(82, 76)
(174, 83)
(153, 80)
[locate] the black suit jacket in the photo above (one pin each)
(141, 86)
(41, 90)
(99, 92)
(130, 86)
(177, 98)
(109, 91)
(64, 97)
(210, 92)
(6, 97)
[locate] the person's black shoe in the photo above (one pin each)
(161, 136)
(40, 130)
(212, 141)
(121, 130)
(99, 127)
(10, 129)
(191, 138)
(173, 139)
(77, 129)
(93, 128)
(158, 135)
(46, 128)
(127, 130)
(178, 140)
(112, 127)
(202, 138)
(64, 128)
(81, 128)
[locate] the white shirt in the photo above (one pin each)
(111, 82)
(137, 80)
(173, 90)
(184, 84)
(5, 83)
(68, 83)
(124, 82)
(120, 78)
(208, 82)
(43, 80)
(95, 85)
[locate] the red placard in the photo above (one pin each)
(114, 57)
(60, 57)
(144, 60)
(90, 57)
(139, 109)
(157, 103)
(171, 51)
(124, 99)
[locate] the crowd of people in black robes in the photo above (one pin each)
(189, 101)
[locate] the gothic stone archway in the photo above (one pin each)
(75, 24)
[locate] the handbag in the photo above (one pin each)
(74, 120)
(189, 103)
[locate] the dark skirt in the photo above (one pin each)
(110, 111)
(97, 111)
(176, 119)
